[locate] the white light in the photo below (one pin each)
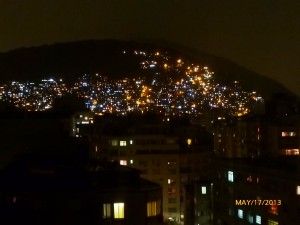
(230, 176)
(258, 219)
(123, 162)
(203, 190)
(240, 213)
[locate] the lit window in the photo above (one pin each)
(294, 151)
(171, 181)
(131, 142)
(114, 143)
(119, 210)
(123, 162)
(123, 143)
(131, 161)
(151, 209)
(106, 210)
(273, 209)
(298, 190)
(230, 176)
(250, 218)
(288, 134)
(203, 190)
(258, 219)
(189, 141)
(171, 163)
(240, 214)
(272, 222)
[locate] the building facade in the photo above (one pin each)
(257, 191)
(173, 156)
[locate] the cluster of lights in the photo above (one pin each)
(176, 87)
(33, 96)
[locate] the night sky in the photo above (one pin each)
(261, 35)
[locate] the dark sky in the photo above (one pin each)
(261, 35)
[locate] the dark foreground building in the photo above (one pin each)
(58, 191)
(262, 191)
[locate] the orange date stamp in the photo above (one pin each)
(247, 202)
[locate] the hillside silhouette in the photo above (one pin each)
(70, 60)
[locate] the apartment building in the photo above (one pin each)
(257, 191)
(255, 136)
(273, 133)
(173, 156)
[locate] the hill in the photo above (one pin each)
(69, 60)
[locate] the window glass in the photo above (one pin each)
(230, 176)
(119, 210)
(106, 210)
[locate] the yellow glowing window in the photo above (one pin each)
(189, 141)
(298, 190)
(272, 222)
(151, 209)
(123, 143)
(119, 210)
(106, 210)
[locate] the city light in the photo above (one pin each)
(165, 93)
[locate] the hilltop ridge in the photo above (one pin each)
(72, 59)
